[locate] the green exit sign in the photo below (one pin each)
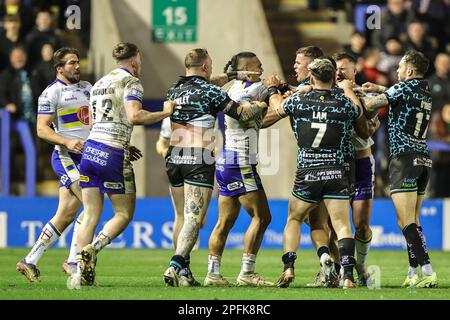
(174, 21)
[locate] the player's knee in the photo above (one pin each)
(125, 216)
(363, 231)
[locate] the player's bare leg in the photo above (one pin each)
(68, 207)
(340, 218)
(407, 205)
(229, 208)
(93, 205)
(297, 212)
(196, 204)
(363, 236)
(320, 237)
(256, 205)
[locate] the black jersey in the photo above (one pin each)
(322, 121)
(409, 115)
(197, 99)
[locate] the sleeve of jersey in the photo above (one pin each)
(395, 93)
(357, 111)
(289, 105)
(133, 90)
(47, 101)
(219, 98)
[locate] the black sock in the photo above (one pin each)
(178, 262)
(416, 243)
(188, 260)
(288, 260)
(337, 267)
(424, 244)
(323, 250)
(347, 253)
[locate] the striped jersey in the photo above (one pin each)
(70, 105)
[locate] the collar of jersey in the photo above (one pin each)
(60, 81)
(191, 77)
(125, 69)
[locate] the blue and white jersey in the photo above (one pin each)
(410, 105)
(322, 121)
(243, 142)
(69, 103)
(110, 124)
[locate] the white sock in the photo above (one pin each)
(214, 264)
(427, 270)
(102, 240)
(248, 262)
(48, 235)
(412, 271)
(362, 249)
(323, 257)
(73, 244)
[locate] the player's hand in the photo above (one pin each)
(75, 145)
(11, 107)
(258, 110)
(135, 153)
(370, 87)
(287, 94)
(168, 107)
(346, 84)
(272, 81)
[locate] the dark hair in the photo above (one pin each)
(234, 62)
(322, 69)
(11, 18)
(310, 51)
(60, 54)
(196, 57)
(417, 61)
(124, 51)
(344, 55)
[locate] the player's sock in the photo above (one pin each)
(362, 249)
(214, 264)
(346, 252)
(78, 261)
(427, 270)
(102, 240)
(248, 262)
(178, 262)
(73, 244)
(48, 235)
(323, 253)
(289, 260)
(416, 242)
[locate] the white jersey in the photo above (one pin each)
(109, 119)
(70, 105)
(237, 138)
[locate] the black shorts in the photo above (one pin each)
(195, 166)
(313, 185)
(409, 173)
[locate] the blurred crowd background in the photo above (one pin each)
(31, 30)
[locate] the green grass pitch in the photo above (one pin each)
(137, 274)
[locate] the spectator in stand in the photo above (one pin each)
(371, 59)
(14, 7)
(390, 58)
(357, 45)
(439, 127)
(43, 33)
(418, 40)
(9, 38)
(44, 72)
(436, 14)
(394, 22)
(18, 90)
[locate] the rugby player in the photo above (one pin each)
(190, 161)
(239, 182)
(65, 105)
(410, 105)
(322, 121)
(115, 106)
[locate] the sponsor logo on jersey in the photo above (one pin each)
(83, 115)
(235, 186)
(113, 185)
(84, 178)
